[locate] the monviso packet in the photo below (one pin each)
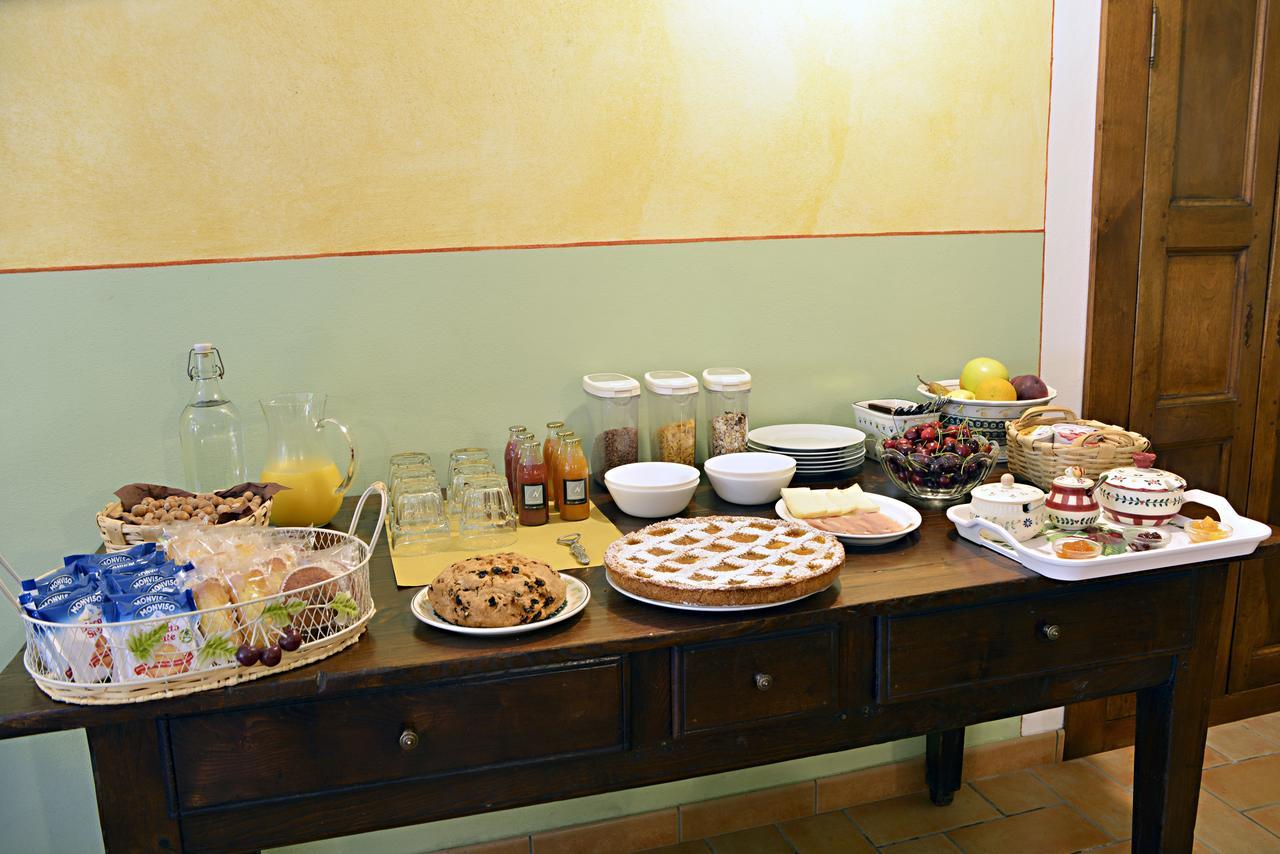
(165, 645)
(78, 655)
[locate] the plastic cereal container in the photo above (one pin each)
(613, 408)
(728, 391)
(673, 406)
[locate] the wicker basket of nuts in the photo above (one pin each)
(142, 509)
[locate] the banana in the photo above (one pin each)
(934, 387)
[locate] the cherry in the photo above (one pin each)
(911, 434)
(929, 432)
(964, 450)
(289, 640)
(248, 655)
(270, 656)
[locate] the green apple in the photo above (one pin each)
(979, 369)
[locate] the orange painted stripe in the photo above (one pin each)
(644, 242)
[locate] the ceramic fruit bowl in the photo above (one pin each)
(937, 462)
(986, 416)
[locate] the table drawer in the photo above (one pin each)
(730, 683)
(326, 744)
(942, 650)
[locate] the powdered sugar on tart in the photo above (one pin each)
(724, 560)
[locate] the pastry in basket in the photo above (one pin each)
(724, 560)
(498, 590)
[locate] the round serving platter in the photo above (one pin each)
(898, 511)
(576, 596)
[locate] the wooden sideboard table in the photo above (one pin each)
(410, 725)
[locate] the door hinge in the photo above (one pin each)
(1155, 25)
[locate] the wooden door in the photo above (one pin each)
(1255, 642)
(1178, 319)
(1209, 184)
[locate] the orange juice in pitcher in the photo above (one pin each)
(297, 458)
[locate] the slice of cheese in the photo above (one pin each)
(805, 503)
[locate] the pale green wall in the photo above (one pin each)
(442, 350)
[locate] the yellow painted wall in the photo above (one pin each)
(139, 131)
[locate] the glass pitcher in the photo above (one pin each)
(298, 458)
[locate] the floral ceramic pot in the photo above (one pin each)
(1139, 494)
(1016, 507)
(1071, 504)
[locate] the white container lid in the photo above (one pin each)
(202, 347)
(670, 382)
(1008, 492)
(610, 385)
(726, 379)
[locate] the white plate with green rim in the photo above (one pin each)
(576, 596)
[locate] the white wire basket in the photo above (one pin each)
(97, 663)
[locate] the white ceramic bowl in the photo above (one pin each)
(750, 478)
(652, 490)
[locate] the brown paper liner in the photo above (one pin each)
(133, 493)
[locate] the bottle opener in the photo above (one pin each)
(575, 547)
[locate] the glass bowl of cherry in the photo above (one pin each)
(938, 462)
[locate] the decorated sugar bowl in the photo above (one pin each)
(1071, 503)
(1017, 507)
(1140, 494)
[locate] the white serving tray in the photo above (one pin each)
(1037, 554)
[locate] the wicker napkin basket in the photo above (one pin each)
(1041, 461)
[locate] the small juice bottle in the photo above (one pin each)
(553, 474)
(572, 476)
(509, 456)
(549, 457)
(531, 483)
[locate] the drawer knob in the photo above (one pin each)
(408, 739)
(764, 681)
(1051, 631)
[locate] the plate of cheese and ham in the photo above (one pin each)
(856, 518)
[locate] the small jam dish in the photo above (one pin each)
(1206, 530)
(1076, 548)
(1146, 539)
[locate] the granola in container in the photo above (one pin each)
(673, 401)
(728, 390)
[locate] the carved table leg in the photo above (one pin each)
(943, 762)
(1172, 722)
(130, 773)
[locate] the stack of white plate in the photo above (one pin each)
(820, 450)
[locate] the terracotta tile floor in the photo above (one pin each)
(1082, 805)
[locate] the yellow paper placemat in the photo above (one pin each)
(538, 543)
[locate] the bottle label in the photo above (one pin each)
(575, 492)
(534, 495)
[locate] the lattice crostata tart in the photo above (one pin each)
(724, 560)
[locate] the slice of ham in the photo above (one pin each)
(857, 523)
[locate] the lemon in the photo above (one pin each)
(962, 394)
(995, 388)
(979, 369)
